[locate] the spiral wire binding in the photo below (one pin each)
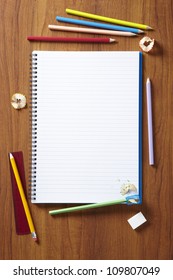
(33, 127)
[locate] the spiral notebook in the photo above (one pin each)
(86, 126)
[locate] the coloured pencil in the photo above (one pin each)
(23, 198)
(90, 30)
(150, 124)
(98, 24)
(108, 19)
(70, 39)
(87, 206)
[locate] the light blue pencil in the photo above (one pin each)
(98, 24)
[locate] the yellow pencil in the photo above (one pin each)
(107, 19)
(23, 198)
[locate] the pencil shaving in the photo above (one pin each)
(18, 101)
(126, 188)
(146, 44)
(132, 201)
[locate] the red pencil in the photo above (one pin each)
(70, 39)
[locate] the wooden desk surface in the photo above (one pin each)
(101, 233)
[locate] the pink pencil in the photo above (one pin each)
(150, 124)
(90, 30)
(70, 39)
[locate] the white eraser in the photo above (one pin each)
(137, 220)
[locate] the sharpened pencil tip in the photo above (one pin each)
(140, 31)
(149, 28)
(34, 236)
(10, 154)
(133, 34)
(111, 40)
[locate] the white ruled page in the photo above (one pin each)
(87, 126)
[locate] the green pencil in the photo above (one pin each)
(87, 206)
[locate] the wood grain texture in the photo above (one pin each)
(100, 233)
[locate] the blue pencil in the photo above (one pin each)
(98, 25)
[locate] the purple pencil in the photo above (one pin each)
(150, 122)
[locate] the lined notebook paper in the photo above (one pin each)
(86, 126)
